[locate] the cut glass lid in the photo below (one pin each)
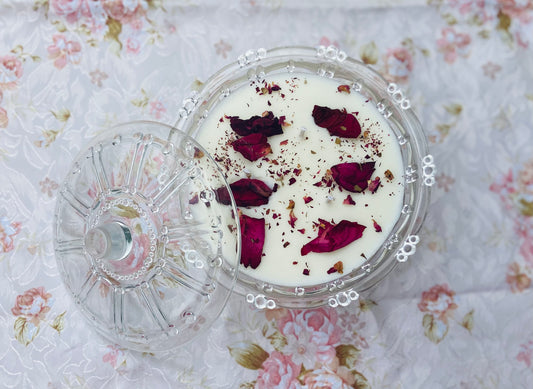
(139, 233)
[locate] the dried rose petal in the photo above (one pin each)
(337, 122)
(252, 240)
(344, 88)
(337, 267)
(252, 147)
(308, 199)
(377, 227)
(353, 176)
(247, 192)
(348, 200)
(332, 237)
(267, 125)
(373, 185)
(292, 218)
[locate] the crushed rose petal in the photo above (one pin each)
(253, 146)
(292, 218)
(348, 200)
(337, 122)
(247, 192)
(332, 236)
(267, 125)
(353, 176)
(252, 240)
(344, 88)
(305, 272)
(291, 204)
(377, 227)
(373, 185)
(307, 199)
(198, 153)
(389, 175)
(337, 267)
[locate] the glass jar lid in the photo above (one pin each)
(139, 231)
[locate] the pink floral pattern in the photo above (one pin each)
(34, 304)
(311, 328)
(10, 72)
(438, 304)
(398, 64)
(308, 352)
(525, 354)
(438, 301)
(8, 230)
(453, 44)
(278, 372)
(64, 51)
(515, 190)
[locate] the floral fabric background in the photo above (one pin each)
(459, 314)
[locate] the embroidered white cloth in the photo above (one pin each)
(458, 314)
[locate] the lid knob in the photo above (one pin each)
(109, 241)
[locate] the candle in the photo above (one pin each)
(314, 167)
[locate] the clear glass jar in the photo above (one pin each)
(419, 172)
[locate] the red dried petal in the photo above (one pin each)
(332, 237)
(252, 147)
(247, 192)
(292, 218)
(348, 200)
(373, 185)
(308, 199)
(337, 122)
(252, 240)
(377, 227)
(353, 176)
(267, 125)
(344, 88)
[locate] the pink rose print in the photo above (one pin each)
(97, 76)
(113, 356)
(476, 8)
(157, 109)
(48, 186)
(526, 353)
(133, 46)
(526, 248)
(517, 280)
(314, 329)
(125, 11)
(34, 304)
(7, 232)
(439, 302)
(64, 52)
(329, 376)
(278, 372)
(398, 64)
(519, 10)
(324, 41)
(453, 44)
(4, 120)
(10, 71)
(222, 48)
(92, 12)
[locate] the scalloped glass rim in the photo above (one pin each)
(332, 63)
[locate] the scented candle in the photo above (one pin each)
(316, 172)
